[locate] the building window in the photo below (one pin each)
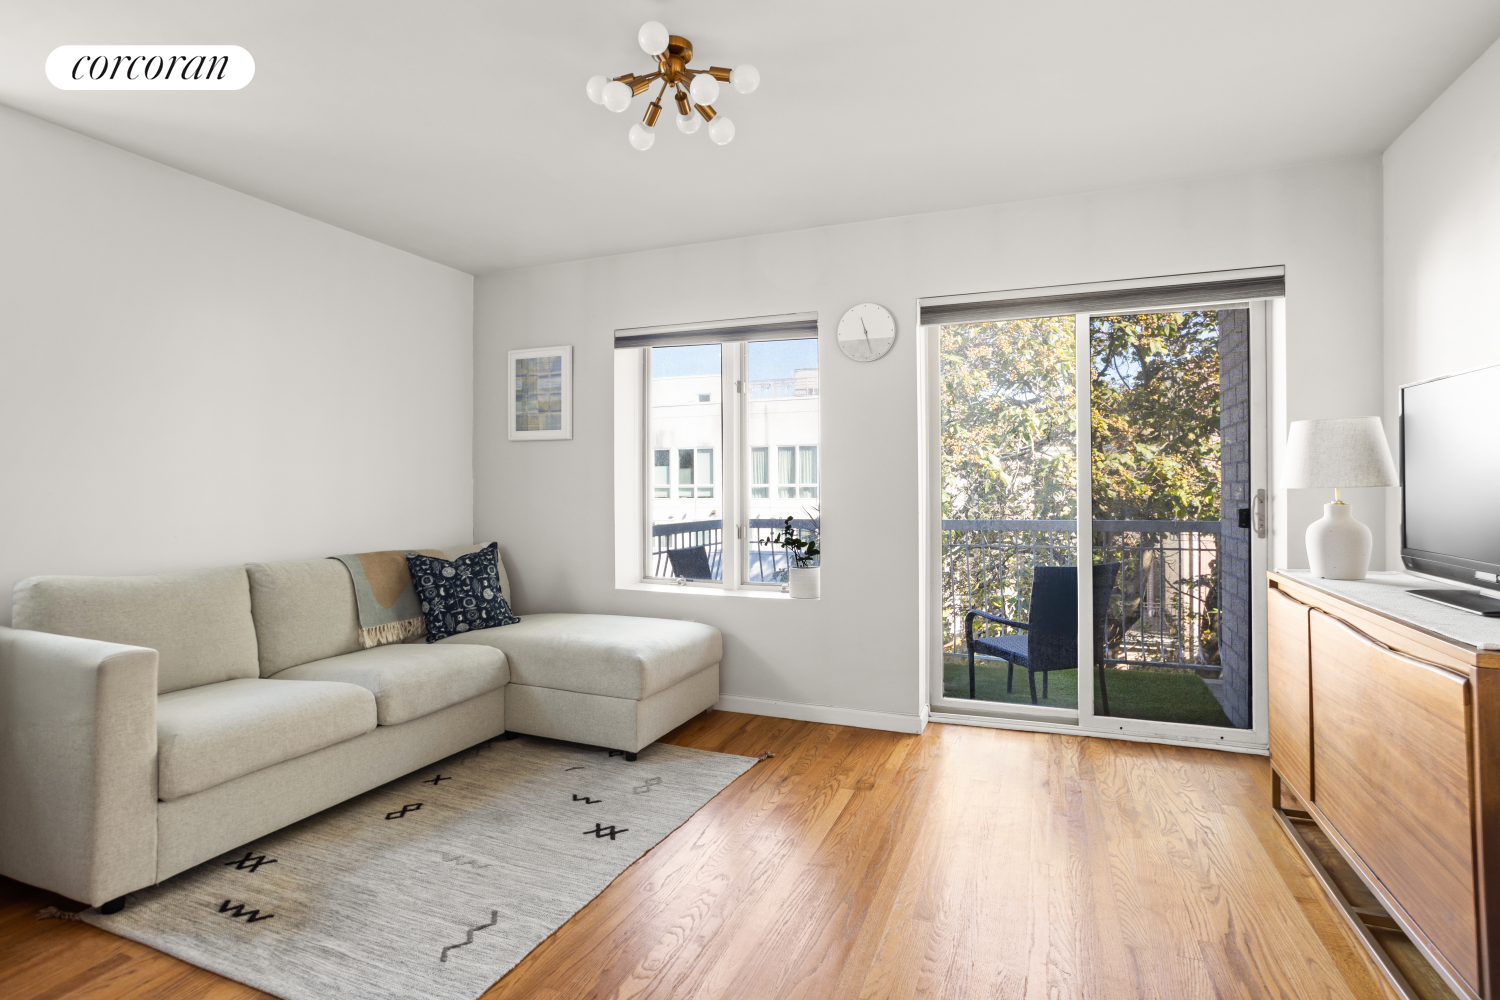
(760, 474)
(797, 466)
(661, 474)
(708, 488)
(807, 471)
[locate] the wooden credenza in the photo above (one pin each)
(1388, 732)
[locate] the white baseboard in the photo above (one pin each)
(888, 721)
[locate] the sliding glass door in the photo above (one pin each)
(1170, 465)
(1126, 443)
(1010, 505)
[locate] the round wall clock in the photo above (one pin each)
(867, 331)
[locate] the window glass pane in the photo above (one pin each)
(782, 420)
(807, 464)
(685, 418)
(1170, 457)
(703, 472)
(1010, 472)
(786, 461)
(661, 473)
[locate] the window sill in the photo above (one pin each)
(669, 588)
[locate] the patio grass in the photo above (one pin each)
(1133, 694)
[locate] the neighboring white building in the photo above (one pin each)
(781, 435)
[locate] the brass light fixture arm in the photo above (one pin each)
(653, 110)
(673, 72)
(638, 84)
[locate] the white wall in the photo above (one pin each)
(192, 377)
(1442, 246)
(856, 649)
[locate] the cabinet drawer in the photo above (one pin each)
(1391, 745)
(1290, 692)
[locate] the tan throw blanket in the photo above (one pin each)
(388, 607)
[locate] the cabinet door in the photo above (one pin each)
(1290, 692)
(1391, 741)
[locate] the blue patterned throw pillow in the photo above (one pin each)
(462, 595)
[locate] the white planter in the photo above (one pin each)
(1338, 546)
(803, 583)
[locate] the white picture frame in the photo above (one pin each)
(540, 394)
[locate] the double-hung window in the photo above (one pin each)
(730, 442)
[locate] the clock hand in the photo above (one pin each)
(866, 329)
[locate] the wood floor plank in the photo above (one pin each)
(960, 863)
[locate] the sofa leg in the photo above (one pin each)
(508, 735)
(113, 906)
(629, 756)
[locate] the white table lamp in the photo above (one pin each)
(1342, 453)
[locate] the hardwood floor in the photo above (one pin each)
(961, 863)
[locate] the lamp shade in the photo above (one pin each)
(1344, 452)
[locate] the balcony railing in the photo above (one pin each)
(767, 563)
(1163, 613)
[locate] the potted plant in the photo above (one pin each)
(802, 557)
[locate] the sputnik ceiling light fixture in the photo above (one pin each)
(672, 54)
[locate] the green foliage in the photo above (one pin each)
(1155, 398)
(802, 551)
(1133, 694)
(1008, 415)
(1008, 452)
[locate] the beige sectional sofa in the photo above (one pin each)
(148, 724)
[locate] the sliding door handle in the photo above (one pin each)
(1259, 513)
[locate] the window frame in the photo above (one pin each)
(731, 480)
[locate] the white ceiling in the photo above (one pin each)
(459, 129)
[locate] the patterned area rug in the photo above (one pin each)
(434, 885)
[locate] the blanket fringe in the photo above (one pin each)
(383, 635)
(53, 913)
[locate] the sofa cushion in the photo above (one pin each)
(210, 734)
(460, 595)
(198, 622)
(612, 655)
(303, 611)
(409, 682)
(464, 550)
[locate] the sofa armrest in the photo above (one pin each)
(77, 764)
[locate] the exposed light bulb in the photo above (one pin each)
(690, 124)
(642, 137)
(704, 89)
(653, 38)
(744, 78)
(617, 95)
(595, 89)
(721, 130)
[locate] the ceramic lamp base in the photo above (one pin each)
(1338, 546)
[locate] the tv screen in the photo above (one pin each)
(1450, 474)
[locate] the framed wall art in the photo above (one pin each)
(541, 394)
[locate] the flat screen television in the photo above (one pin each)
(1450, 478)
